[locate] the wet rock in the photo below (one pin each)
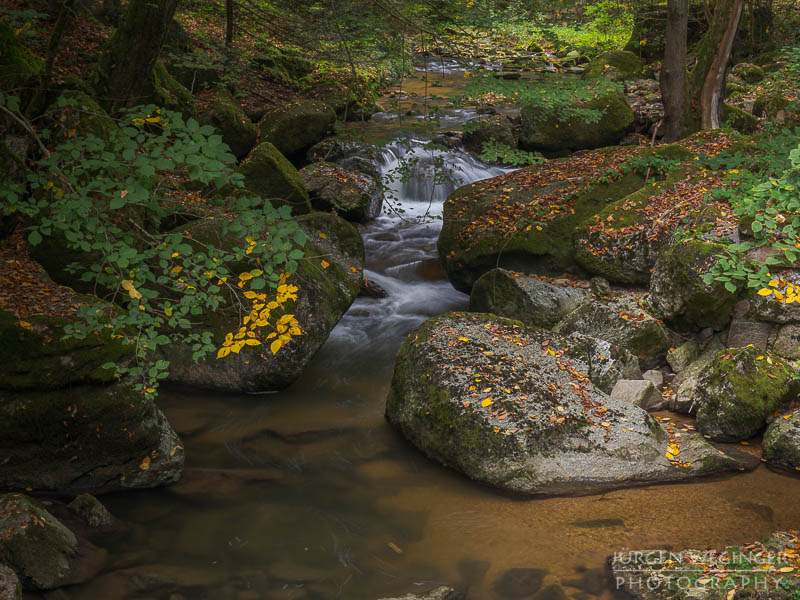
(607, 362)
(787, 342)
(615, 65)
(297, 126)
(682, 356)
(350, 155)
(227, 115)
(10, 587)
(554, 133)
(519, 583)
(370, 289)
(623, 322)
(154, 581)
(486, 396)
(325, 292)
(654, 376)
(497, 128)
(528, 299)
(600, 287)
(95, 438)
(679, 293)
(641, 393)
(354, 196)
(42, 551)
(782, 441)
(92, 511)
(440, 593)
(744, 333)
(738, 391)
(269, 174)
(685, 384)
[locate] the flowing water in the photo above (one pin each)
(308, 493)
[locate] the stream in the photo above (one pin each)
(309, 494)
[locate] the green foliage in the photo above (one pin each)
(554, 97)
(766, 199)
(647, 164)
(110, 200)
(497, 152)
(23, 22)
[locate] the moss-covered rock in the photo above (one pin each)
(18, 66)
(354, 196)
(42, 550)
(748, 72)
(621, 321)
(169, 93)
(10, 587)
(226, 114)
(782, 441)
(524, 298)
(741, 121)
(679, 293)
(480, 228)
(553, 432)
(86, 438)
(549, 132)
(297, 126)
(616, 65)
(329, 279)
(269, 174)
(496, 128)
(771, 105)
(739, 391)
(34, 355)
(79, 116)
(91, 511)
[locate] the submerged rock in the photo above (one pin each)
(782, 441)
(328, 280)
(440, 593)
(496, 401)
(738, 391)
(91, 511)
(44, 553)
(523, 297)
(354, 196)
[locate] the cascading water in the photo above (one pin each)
(400, 247)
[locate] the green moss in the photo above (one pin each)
(616, 65)
(18, 66)
(294, 128)
(770, 105)
(741, 121)
(228, 117)
(749, 72)
(269, 174)
(169, 93)
(83, 116)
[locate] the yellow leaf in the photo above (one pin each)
(764, 292)
(275, 346)
(252, 342)
(127, 285)
(786, 569)
(323, 236)
(250, 295)
(487, 402)
(25, 325)
(223, 352)
(245, 276)
(463, 339)
(325, 264)
(145, 463)
(760, 357)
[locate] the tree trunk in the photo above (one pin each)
(708, 76)
(673, 69)
(228, 23)
(127, 62)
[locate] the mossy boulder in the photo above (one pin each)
(480, 231)
(616, 65)
(738, 119)
(269, 174)
(768, 309)
(10, 587)
(549, 132)
(44, 553)
(773, 106)
(496, 128)
(478, 394)
(226, 114)
(524, 298)
(354, 196)
(91, 511)
(77, 114)
(679, 293)
(169, 93)
(782, 441)
(328, 280)
(86, 438)
(295, 127)
(18, 66)
(35, 356)
(621, 321)
(739, 391)
(748, 72)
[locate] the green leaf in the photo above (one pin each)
(34, 237)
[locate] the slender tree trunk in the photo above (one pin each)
(708, 76)
(673, 69)
(228, 23)
(66, 10)
(127, 63)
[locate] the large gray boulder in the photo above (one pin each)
(782, 441)
(43, 552)
(507, 407)
(354, 196)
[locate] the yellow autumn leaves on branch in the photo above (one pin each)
(261, 309)
(781, 290)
